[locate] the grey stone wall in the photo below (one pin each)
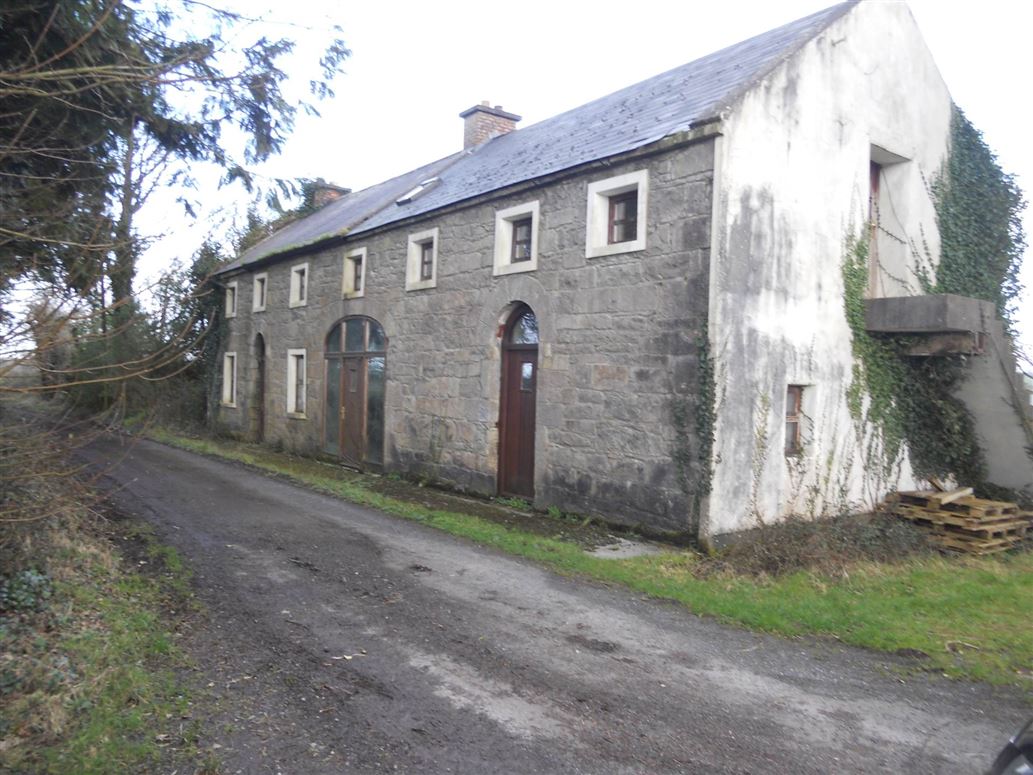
(619, 338)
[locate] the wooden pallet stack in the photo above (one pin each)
(963, 523)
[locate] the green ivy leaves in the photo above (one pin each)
(978, 212)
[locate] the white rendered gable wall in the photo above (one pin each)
(793, 185)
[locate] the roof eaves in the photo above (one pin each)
(290, 250)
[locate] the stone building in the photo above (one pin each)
(633, 309)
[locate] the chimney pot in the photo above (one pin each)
(483, 122)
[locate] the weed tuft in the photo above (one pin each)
(25, 590)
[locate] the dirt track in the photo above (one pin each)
(340, 639)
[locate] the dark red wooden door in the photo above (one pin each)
(516, 437)
(353, 402)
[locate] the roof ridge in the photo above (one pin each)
(831, 15)
(842, 7)
(713, 81)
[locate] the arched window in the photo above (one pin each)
(523, 328)
(359, 335)
(356, 365)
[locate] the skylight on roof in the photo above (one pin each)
(422, 188)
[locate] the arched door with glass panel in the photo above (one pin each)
(517, 404)
(356, 360)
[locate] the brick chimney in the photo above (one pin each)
(483, 122)
(324, 193)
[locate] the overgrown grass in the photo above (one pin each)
(87, 666)
(88, 682)
(970, 617)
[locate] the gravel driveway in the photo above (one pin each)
(340, 639)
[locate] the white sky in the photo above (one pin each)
(416, 65)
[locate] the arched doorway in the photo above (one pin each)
(258, 400)
(356, 361)
(517, 403)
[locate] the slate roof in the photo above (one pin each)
(340, 216)
(631, 118)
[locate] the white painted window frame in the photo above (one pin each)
(229, 379)
(292, 396)
(412, 263)
(597, 220)
(348, 274)
(231, 300)
(504, 220)
(299, 287)
(261, 280)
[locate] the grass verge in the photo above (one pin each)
(966, 617)
(88, 661)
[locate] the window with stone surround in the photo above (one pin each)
(231, 299)
(354, 273)
(296, 383)
(616, 217)
(516, 239)
(261, 286)
(421, 269)
(229, 379)
(299, 285)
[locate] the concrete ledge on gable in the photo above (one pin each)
(933, 313)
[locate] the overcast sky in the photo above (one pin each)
(416, 65)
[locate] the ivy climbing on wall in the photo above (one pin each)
(909, 400)
(877, 372)
(978, 212)
(912, 400)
